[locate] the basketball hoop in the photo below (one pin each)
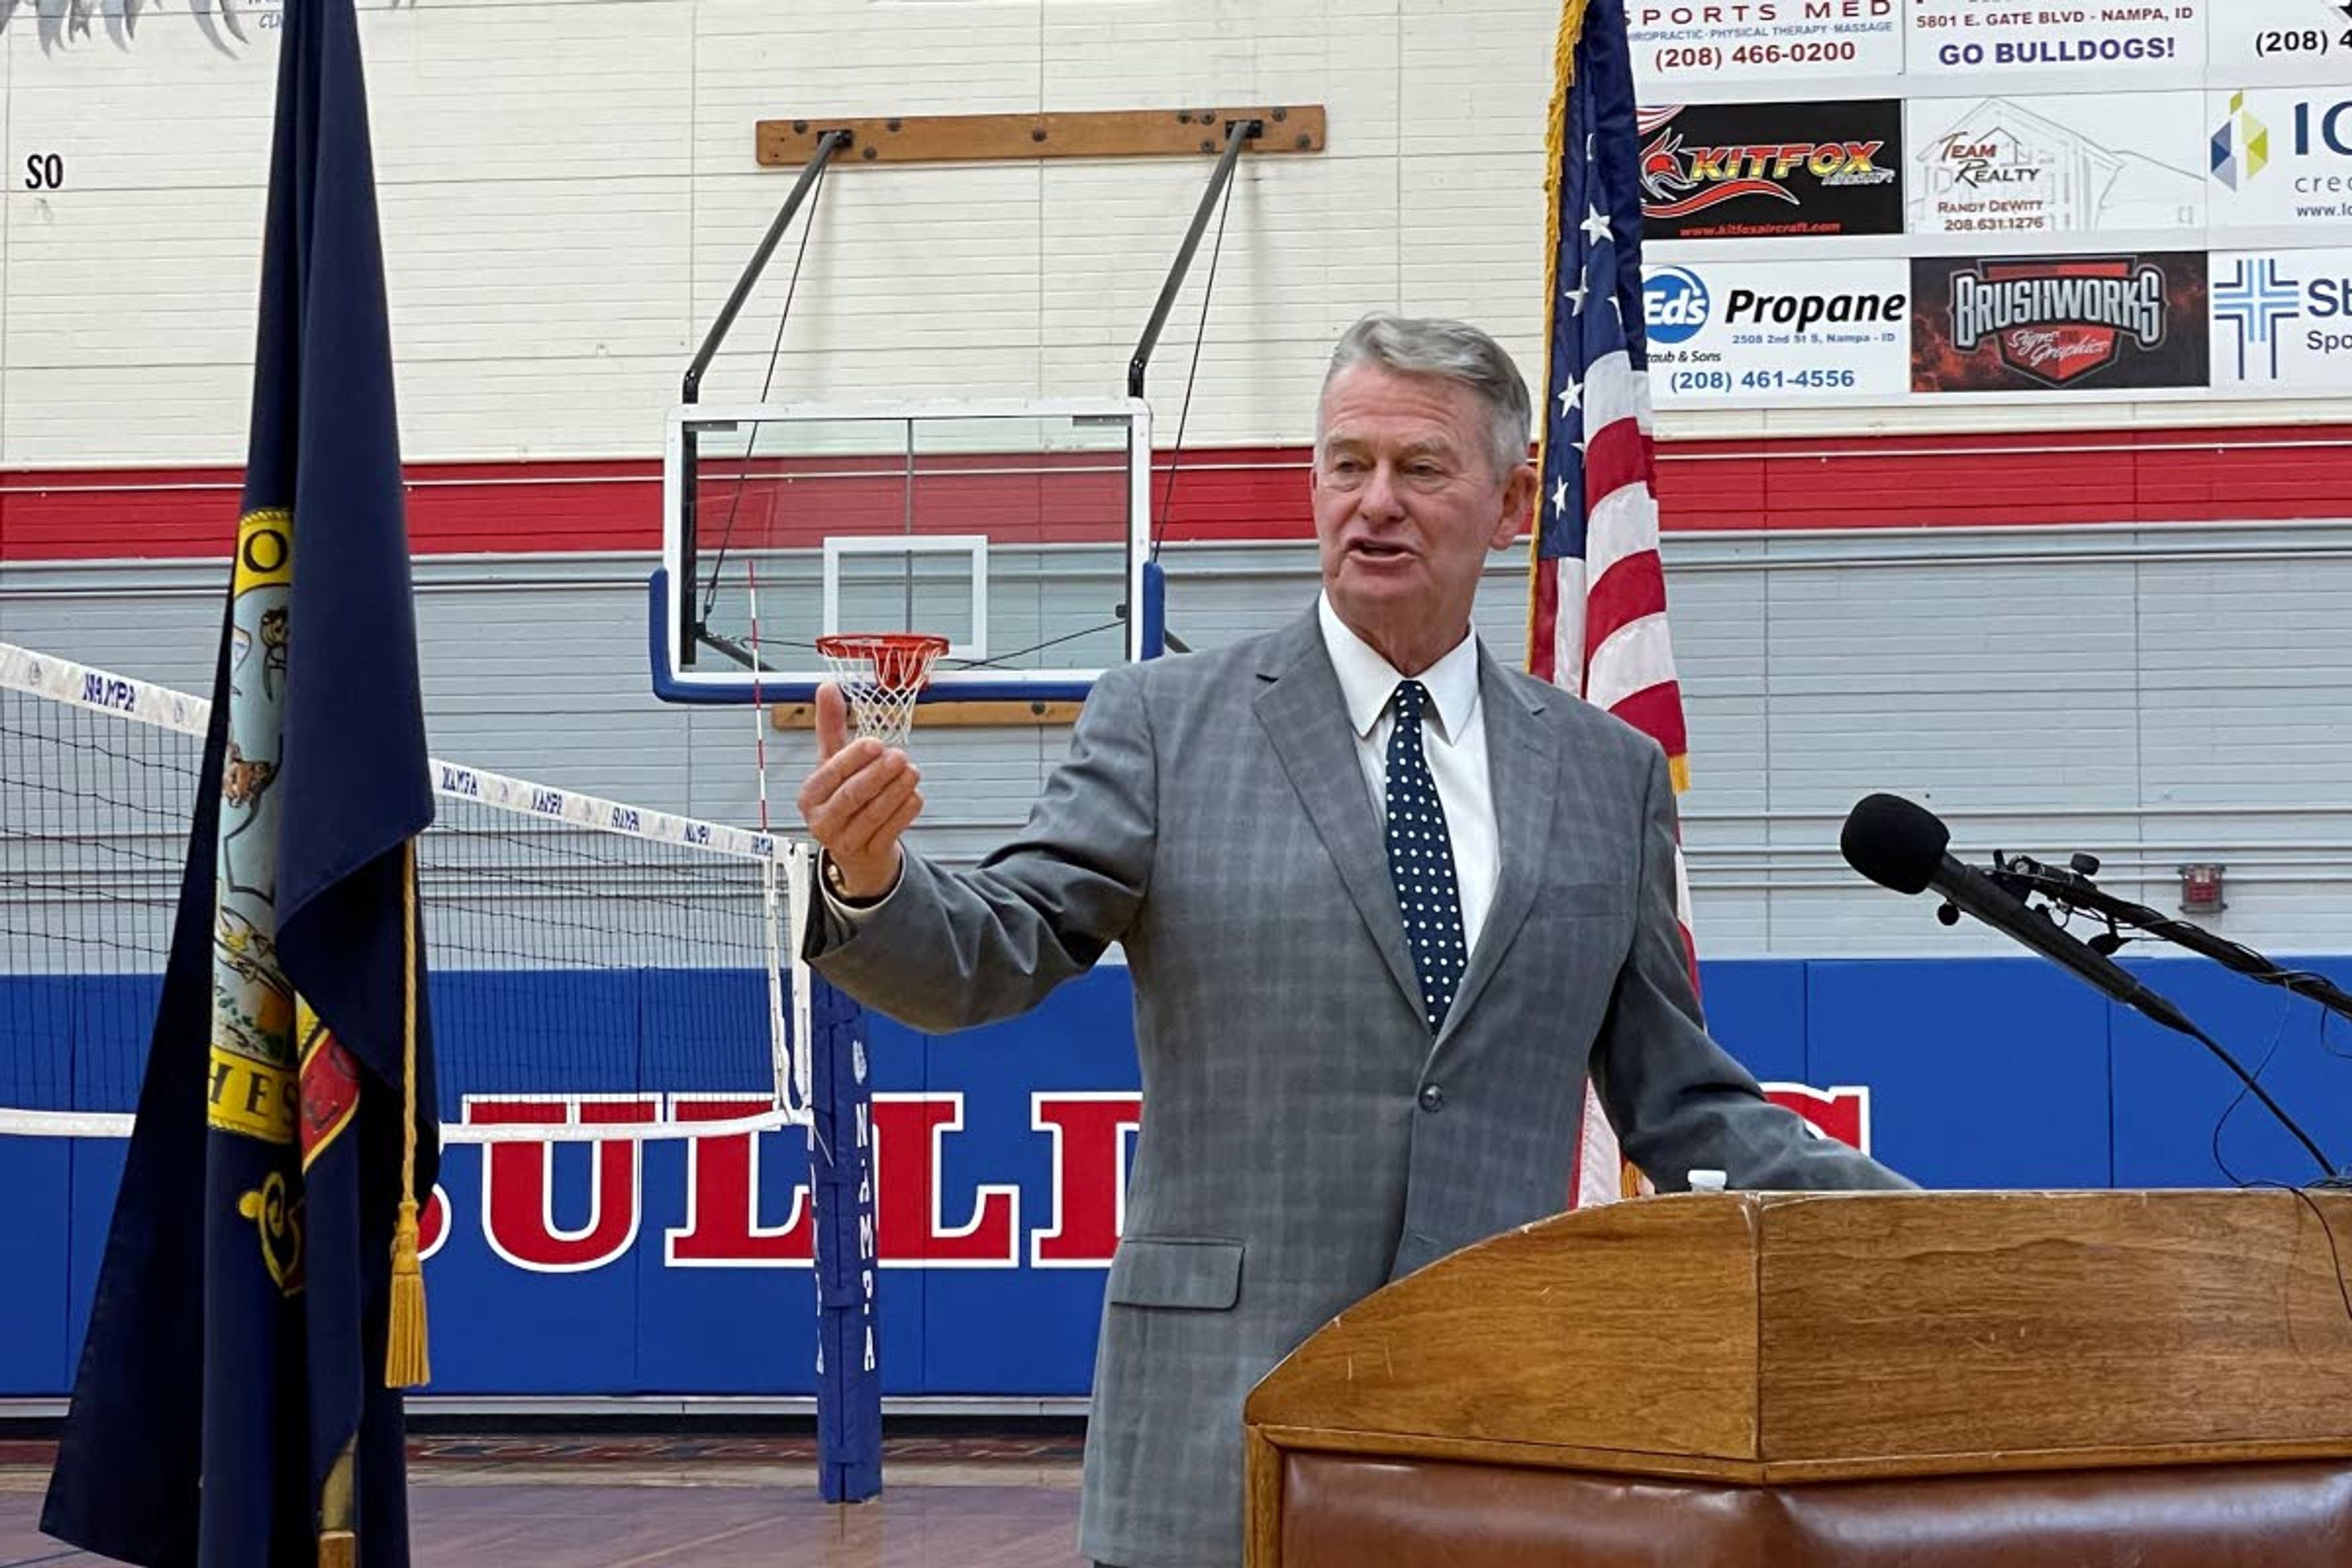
(880, 674)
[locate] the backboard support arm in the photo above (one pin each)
(689, 630)
(1238, 133)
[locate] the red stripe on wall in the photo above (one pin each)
(1261, 493)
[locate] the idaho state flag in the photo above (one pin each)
(259, 1307)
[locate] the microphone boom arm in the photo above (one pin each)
(2073, 890)
(1903, 846)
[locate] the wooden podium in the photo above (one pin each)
(1922, 1379)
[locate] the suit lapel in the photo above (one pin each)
(1522, 770)
(1305, 720)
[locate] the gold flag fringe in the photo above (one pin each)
(407, 1364)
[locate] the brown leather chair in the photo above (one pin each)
(1346, 1511)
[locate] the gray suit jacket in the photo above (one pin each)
(1305, 1141)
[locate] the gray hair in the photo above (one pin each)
(1455, 349)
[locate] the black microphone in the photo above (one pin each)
(1901, 845)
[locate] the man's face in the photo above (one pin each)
(1408, 505)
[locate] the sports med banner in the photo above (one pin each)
(1764, 40)
(1762, 333)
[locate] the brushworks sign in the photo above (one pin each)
(2059, 322)
(2104, 304)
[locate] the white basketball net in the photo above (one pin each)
(880, 674)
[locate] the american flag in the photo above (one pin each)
(1597, 597)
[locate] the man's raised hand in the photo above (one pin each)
(857, 801)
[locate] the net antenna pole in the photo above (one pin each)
(789, 1046)
(689, 630)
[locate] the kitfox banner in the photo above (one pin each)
(1746, 171)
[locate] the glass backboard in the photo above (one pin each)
(1019, 532)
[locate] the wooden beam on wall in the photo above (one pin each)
(946, 715)
(1004, 138)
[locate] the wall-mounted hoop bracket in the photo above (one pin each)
(1004, 138)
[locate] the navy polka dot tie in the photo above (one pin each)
(1421, 860)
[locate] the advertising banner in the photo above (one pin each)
(2058, 323)
(2281, 157)
(1724, 171)
(2056, 164)
(1947, 38)
(2292, 33)
(1760, 333)
(2283, 320)
(1763, 41)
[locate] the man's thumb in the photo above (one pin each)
(831, 721)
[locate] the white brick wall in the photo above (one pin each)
(569, 191)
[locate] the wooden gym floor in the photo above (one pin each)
(663, 1502)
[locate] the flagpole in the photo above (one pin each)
(1563, 74)
(339, 1547)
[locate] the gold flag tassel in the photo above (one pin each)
(406, 1364)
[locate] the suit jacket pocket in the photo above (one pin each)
(1176, 1271)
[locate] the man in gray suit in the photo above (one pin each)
(1386, 904)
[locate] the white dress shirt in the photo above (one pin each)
(1454, 739)
(1455, 745)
